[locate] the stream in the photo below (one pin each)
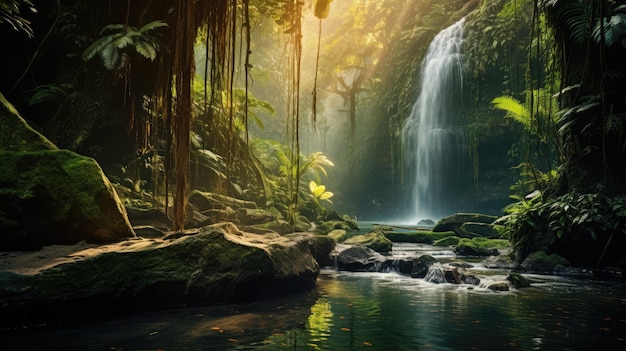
(369, 311)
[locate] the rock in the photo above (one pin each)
(57, 197)
(328, 226)
(204, 201)
(218, 264)
(467, 247)
(454, 222)
(339, 235)
(375, 240)
(453, 274)
(421, 265)
(518, 280)
(447, 241)
(248, 216)
(359, 259)
(52, 196)
(540, 262)
(427, 222)
(148, 231)
(279, 226)
(480, 229)
(149, 217)
(17, 136)
(499, 286)
(502, 262)
(470, 279)
(320, 246)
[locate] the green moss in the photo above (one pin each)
(420, 236)
(492, 243)
(374, 240)
(449, 241)
(339, 235)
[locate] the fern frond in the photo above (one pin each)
(146, 49)
(97, 46)
(152, 26)
(515, 110)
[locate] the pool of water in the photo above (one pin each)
(367, 311)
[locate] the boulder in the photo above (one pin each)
(339, 235)
(359, 259)
(455, 221)
(421, 265)
(502, 262)
(320, 246)
(213, 264)
(540, 262)
(467, 247)
(52, 196)
(518, 280)
(499, 286)
(375, 240)
(480, 229)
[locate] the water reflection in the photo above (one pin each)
(368, 311)
(390, 312)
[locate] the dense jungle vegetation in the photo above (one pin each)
(293, 104)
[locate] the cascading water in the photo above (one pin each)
(435, 161)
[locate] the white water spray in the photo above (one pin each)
(433, 147)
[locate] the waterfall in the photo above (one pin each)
(435, 163)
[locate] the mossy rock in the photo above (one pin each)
(57, 197)
(469, 247)
(541, 262)
(456, 221)
(518, 280)
(448, 241)
(375, 240)
(480, 229)
(17, 135)
(420, 236)
(488, 243)
(339, 235)
(328, 226)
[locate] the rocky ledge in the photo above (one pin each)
(217, 263)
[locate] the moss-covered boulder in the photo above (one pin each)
(540, 262)
(447, 241)
(52, 196)
(57, 197)
(518, 280)
(338, 235)
(480, 229)
(375, 240)
(455, 221)
(320, 246)
(470, 247)
(214, 264)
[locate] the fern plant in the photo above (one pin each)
(117, 38)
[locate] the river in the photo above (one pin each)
(368, 311)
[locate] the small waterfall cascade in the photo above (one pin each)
(433, 148)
